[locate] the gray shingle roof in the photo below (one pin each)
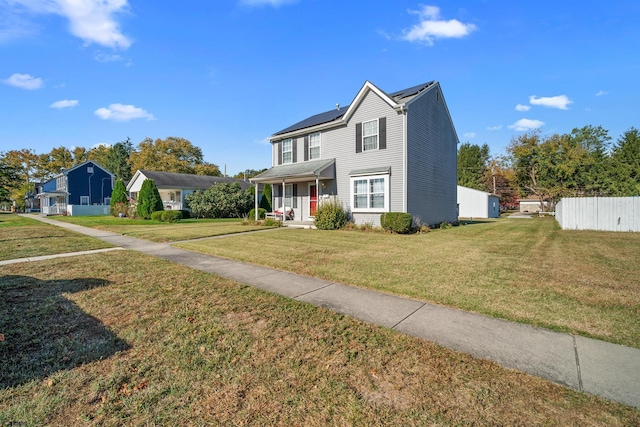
(187, 180)
(295, 170)
(400, 96)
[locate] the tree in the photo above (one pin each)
(499, 179)
(52, 163)
(20, 171)
(625, 165)
(222, 200)
(265, 203)
(472, 165)
(99, 154)
(249, 173)
(80, 154)
(171, 155)
(8, 178)
(149, 200)
(589, 146)
(117, 159)
(118, 195)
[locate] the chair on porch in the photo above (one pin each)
(277, 214)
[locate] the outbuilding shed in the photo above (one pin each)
(474, 203)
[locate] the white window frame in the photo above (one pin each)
(288, 195)
(289, 151)
(84, 199)
(368, 179)
(372, 135)
(107, 200)
(315, 141)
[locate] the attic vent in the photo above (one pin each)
(89, 169)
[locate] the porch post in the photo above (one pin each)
(284, 207)
(257, 216)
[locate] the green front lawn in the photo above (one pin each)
(25, 237)
(98, 340)
(527, 270)
(157, 231)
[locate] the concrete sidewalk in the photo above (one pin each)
(600, 368)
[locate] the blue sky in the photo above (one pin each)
(228, 74)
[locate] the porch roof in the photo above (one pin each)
(54, 193)
(315, 169)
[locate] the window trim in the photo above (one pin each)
(368, 178)
(289, 151)
(377, 135)
(285, 197)
(319, 146)
(84, 198)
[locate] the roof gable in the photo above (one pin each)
(183, 180)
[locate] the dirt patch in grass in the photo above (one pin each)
(530, 271)
(188, 348)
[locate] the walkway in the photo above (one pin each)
(600, 368)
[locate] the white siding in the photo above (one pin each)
(599, 213)
(431, 160)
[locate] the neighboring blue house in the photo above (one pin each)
(386, 152)
(85, 189)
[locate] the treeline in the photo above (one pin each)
(583, 163)
(20, 169)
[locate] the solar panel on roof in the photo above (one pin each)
(410, 91)
(318, 119)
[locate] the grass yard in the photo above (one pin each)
(161, 232)
(531, 271)
(97, 340)
(24, 237)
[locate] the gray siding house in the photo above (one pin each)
(386, 152)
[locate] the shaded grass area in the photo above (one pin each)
(25, 237)
(204, 350)
(161, 232)
(586, 283)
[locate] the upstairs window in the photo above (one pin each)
(314, 146)
(370, 135)
(84, 200)
(287, 151)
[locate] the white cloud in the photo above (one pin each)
(91, 20)
(524, 125)
(494, 127)
(65, 103)
(470, 135)
(560, 101)
(274, 3)
(521, 107)
(431, 27)
(24, 81)
(602, 92)
(122, 113)
(105, 57)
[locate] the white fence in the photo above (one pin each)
(88, 210)
(599, 213)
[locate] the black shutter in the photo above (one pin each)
(306, 148)
(358, 137)
(279, 152)
(294, 150)
(295, 195)
(382, 133)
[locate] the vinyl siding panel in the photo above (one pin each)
(431, 160)
(340, 144)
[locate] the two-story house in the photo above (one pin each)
(385, 152)
(84, 189)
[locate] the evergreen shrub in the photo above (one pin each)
(397, 222)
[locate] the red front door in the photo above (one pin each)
(313, 200)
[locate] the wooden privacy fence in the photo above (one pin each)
(599, 213)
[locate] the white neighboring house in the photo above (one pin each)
(532, 205)
(173, 187)
(474, 203)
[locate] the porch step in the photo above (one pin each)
(293, 224)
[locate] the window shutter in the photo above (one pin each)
(306, 148)
(295, 196)
(294, 150)
(279, 153)
(382, 133)
(358, 137)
